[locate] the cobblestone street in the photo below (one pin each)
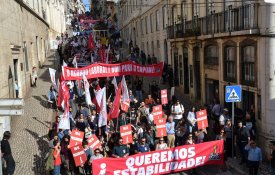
(29, 132)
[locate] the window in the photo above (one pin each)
(196, 7)
(146, 24)
(157, 20)
(151, 22)
(230, 63)
(164, 17)
(248, 65)
(174, 13)
(152, 45)
(211, 55)
(142, 26)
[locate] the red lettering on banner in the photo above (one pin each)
(107, 70)
(76, 138)
(161, 127)
(202, 119)
(93, 142)
(163, 162)
(164, 99)
(79, 155)
(126, 133)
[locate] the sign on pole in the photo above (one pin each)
(161, 127)
(157, 112)
(79, 155)
(233, 93)
(202, 119)
(164, 99)
(93, 142)
(76, 138)
(126, 133)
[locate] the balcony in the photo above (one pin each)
(232, 20)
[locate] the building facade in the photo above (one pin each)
(215, 44)
(26, 30)
(144, 22)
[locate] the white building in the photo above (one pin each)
(26, 30)
(145, 22)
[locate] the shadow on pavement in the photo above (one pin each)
(41, 122)
(39, 160)
(43, 102)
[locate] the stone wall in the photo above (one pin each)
(23, 44)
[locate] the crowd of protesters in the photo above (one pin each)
(181, 124)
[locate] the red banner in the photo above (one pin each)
(76, 138)
(111, 70)
(93, 142)
(125, 105)
(164, 99)
(161, 127)
(157, 112)
(163, 162)
(202, 119)
(126, 134)
(79, 155)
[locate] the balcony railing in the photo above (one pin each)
(234, 19)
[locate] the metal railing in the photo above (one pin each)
(234, 19)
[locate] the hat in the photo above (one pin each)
(225, 109)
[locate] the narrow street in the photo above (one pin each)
(29, 132)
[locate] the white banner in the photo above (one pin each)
(101, 100)
(125, 93)
(87, 91)
(64, 122)
(52, 75)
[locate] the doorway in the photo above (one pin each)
(185, 70)
(197, 73)
(211, 90)
(176, 69)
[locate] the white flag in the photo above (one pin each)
(52, 75)
(114, 83)
(101, 100)
(64, 122)
(64, 63)
(75, 62)
(87, 91)
(125, 93)
(107, 54)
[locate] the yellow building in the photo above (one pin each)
(213, 44)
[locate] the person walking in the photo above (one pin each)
(170, 128)
(16, 88)
(254, 157)
(6, 153)
(34, 76)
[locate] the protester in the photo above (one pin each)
(254, 157)
(34, 76)
(177, 111)
(170, 129)
(120, 150)
(57, 158)
(6, 153)
(242, 138)
(161, 145)
(143, 147)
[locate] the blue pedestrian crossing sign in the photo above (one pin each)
(233, 93)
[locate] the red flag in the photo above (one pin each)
(114, 112)
(91, 44)
(60, 95)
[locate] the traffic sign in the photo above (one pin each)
(233, 93)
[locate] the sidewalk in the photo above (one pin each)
(29, 142)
